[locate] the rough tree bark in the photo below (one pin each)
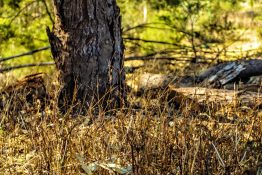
(87, 47)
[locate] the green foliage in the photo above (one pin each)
(192, 25)
(22, 28)
(154, 138)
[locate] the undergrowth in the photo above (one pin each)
(150, 137)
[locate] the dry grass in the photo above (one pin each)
(155, 138)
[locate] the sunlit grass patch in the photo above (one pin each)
(153, 138)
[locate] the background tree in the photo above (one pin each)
(177, 30)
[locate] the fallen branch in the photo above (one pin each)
(127, 69)
(25, 66)
(219, 96)
(225, 73)
(147, 25)
(156, 42)
(24, 54)
(48, 11)
(148, 58)
(20, 11)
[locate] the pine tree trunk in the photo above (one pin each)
(87, 47)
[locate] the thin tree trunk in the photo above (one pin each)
(87, 47)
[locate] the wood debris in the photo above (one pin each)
(27, 94)
(219, 96)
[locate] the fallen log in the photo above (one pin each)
(226, 75)
(218, 96)
(7, 69)
(233, 71)
(150, 81)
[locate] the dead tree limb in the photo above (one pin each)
(7, 69)
(25, 66)
(20, 11)
(48, 11)
(222, 75)
(148, 58)
(25, 54)
(225, 73)
(155, 41)
(219, 96)
(148, 25)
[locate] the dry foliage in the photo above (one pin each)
(152, 136)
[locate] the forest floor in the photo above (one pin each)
(152, 136)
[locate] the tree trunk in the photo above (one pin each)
(87, 47)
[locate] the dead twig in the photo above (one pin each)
(48, 11)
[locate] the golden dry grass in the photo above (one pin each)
(155, 138)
